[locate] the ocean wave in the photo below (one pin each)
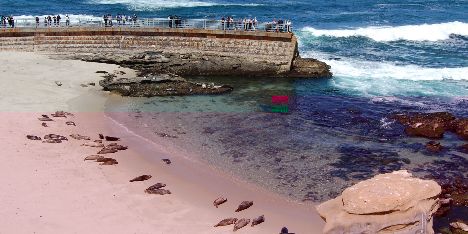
(423, 32)
(144, 5)
(379, 70)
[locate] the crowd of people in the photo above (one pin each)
(108, 20)
(7, 21)
(120, 19)
(249, 24)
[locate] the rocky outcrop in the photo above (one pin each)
(432, 125)
(159, 85)
(388, 203)
(197, 64)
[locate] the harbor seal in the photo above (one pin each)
(241, 223)
(80, 137)
(260, 219)
(244, 205)
(107, 161)
(109, 138)
(94, 157)
(219, 201)
(55, 137)
(116, 146)
(156, 186)
(101, 136)
(34, 138)
(158, 191)
(226, 222)
(44, 125)
(107, 151)
(45, 119)
(70, 123)
(52, 141)
(92, 144)
(167, 161)
(141, 178)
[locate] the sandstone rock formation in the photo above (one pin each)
(433, 125)
(159, 85)
(388, 203)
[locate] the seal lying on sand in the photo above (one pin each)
(141, 178)
(45, 119)
(93, 144)
(80, 137)
(70, 123)
(109, 138)
(244, 205)
(94, 157)
(158, 191)
(101, 136)
(226, 222)
(34, 138)
(258, 220)
(219, 201)
(44, 125)
(167, 161)
(52, 141)
(116, 146)
(55, 137)
(241, 223)
(107, 151)
(107, 161)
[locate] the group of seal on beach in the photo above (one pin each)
(238, 223)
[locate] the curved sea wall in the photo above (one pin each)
(182, 51)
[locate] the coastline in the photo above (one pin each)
(100, 198)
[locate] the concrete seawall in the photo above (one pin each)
(192, 51)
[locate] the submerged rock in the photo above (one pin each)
(388, 203)
(159, 85)
(429, 125)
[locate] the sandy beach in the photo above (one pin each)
(49, 188)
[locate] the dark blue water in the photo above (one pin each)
(387, 57)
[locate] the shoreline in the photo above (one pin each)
(194, 188)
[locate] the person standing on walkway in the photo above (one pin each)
(58, 20)
(37, 21)
(67, 21)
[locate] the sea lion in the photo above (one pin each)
(107, 151)
(219, 201)
(141, 178)
(244, 205)
(260, 219)
(241, 223)
(109, 138)
(101, 136)
(34, 138)
(158, 191)
(94, 157)
(80, 137)
(226, 222)
(70, 123)
(167, 161)
(93, 144)
(44, 125)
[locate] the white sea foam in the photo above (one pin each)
(73, 18)
(423, 32)
(142, 5)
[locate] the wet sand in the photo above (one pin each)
(48, 188)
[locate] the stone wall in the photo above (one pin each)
(186, 52)
(272, 48)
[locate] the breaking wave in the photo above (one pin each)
(144, 5)
(423, 32)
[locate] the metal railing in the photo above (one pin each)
(240, 25)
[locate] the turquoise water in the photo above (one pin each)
(387, 57)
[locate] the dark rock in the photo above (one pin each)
(434, 146)
(460, 127)
(464, 148)
(308, 67)
(160, 85)
(429, 125)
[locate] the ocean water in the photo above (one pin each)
(387, 57)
